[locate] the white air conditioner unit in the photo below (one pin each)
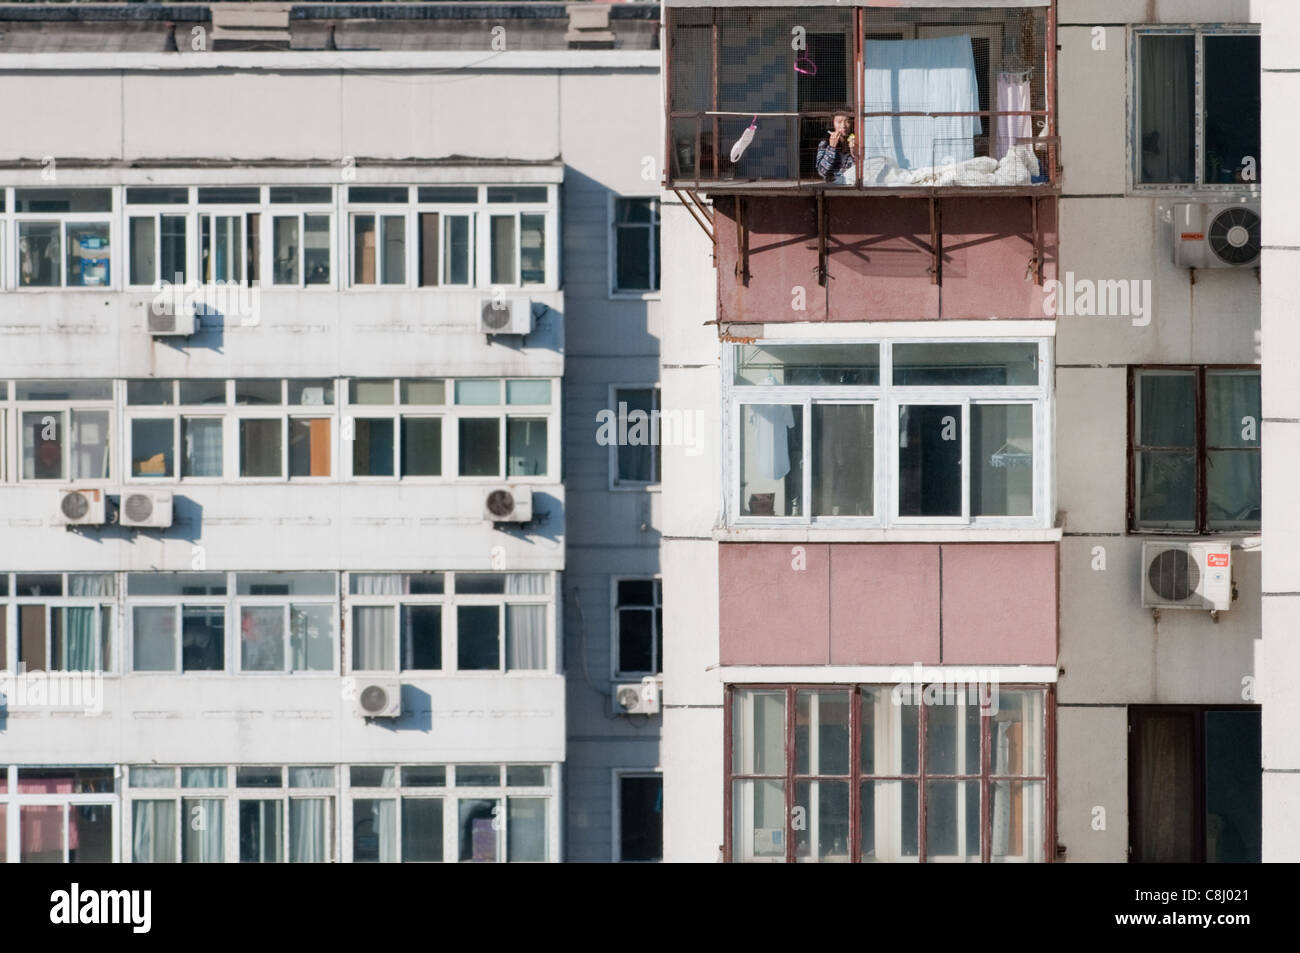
(146, 508)
(638, 698)
(1223, 235)
(81, 508)
(166, 320)
(505, 315)
(1187, 576)
(379, 698)
(508, 504)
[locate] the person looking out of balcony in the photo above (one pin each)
(835, 152)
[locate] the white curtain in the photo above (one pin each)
(203, 447)
(92, 584)
(1166, 66)
(153, 832)
(1001, 790)
(203, 828)
(525, 637)
(528, 583)
(308, 830)
(1013, 96)
(374, 649)
(379, 583)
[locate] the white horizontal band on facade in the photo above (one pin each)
(330, 60)
(326, 171)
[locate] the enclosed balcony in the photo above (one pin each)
(879, 96)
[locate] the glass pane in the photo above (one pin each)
(636, 592)
(309, 830)
(821, 733)
(370, 392)
(421, 637)
(421, 829)
(1232, 113)
(1002, 444)
(952, 733)
(636, 645)
(1166, 409)
(638, 453)
(90, 833)
(1017, 733)
(771, 460)
(153, 832)
(532, 249)
(309, 393)
(480, 823)
(372, 447)
(888, 817)
(203, 392)
(1016, 821)
(203, 638)
(157, 196)
(633, 268)
(758, 732)
(38, 255)
(641, 818)
(149, 392)
(285, 249)
(416, 391)
(478, 775)
(175, 267)
(261, 639)
(528, 392)
(372, 776)
(203, 777)
(261, 832)
(372, 639)
(260, 448)
(966, 363)
(144, 258)
(1232, 409)
(309, 446)
(149, 777)
(1166, 489)
(176, 584)
(311, 638)
(394, 257)
(74, 640)
(424, 776)
(527, 775)
(526, 833)
(821, 828)
(525, 638)
(504, 267)
(481, 583)
(758, 821)
(316, 249)
(284, 583)
(203, 830)
(478, 392)
(89, 255)
(38, 584)
(480, 446)
(89, 451)
(843, 459)
(1166, 101)
(42, 445)
(1232, 787)
(929, 460)
(448, 193)
(63, 390)
(265, 392)
(526, 446)
(1233, 489)
(806, 364)
(478, 638)
(302, 195)
(230, 195)
(458, 250)
(421, 446)
(363, 250)
(952, 820)
(516, 193)
(153, 633)
(255, 777)
(379, 193)
(201, 446)
(40, 830)
(152, 448)
(221, 247)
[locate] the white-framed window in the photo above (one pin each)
(638, 816)
(63, 237)
(245, 430)
(634, 246)
(470, 428)
(286, 621)
(246, 813)
(880, 433)
(64, 430)
(177, 621)
(634, 453)
(58, 814)
(1196, 102)
(638, 627)
(58, 622)
(451, 236)
(451, 622)
(467, 812)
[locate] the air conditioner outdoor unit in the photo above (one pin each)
(380, 698)
(1187, 576)
(166, 320)
(509, 504)
(638, 698)
(81, 508)
(146, 508)
(1223, 235)
(505, 316)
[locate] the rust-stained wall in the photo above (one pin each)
(879, 259)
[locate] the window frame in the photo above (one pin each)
(63, 408)
(655, 608)
(286, 603)
(102, 606)
(654, 226)
(13, 801)
(11, 220)
(1200, 450)
(1199, 32)
(178, 604)
(617, 776)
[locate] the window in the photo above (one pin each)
(397, 430)
(1197, 96)
(301, 242)
(636, 246)
(889, 433)
(65, 429)
(62, 622)
(640, 817)
(178, 621)
(938, 773)
(286, 621)
(1194, 785)
(638, 627)
(634, 453)
(64, 237)
(65, 815)
(1194, 444)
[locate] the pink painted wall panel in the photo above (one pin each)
(771, 613)
(782, 256)
(999, 604)
(879, 260)
(987, 244)
(884, 604)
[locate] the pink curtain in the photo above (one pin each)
(1013, 96)
(42, 826)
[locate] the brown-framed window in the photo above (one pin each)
(1195, 784)
(1194, 449)
(870, 773)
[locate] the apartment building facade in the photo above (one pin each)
(979, 579)
(286, 425)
